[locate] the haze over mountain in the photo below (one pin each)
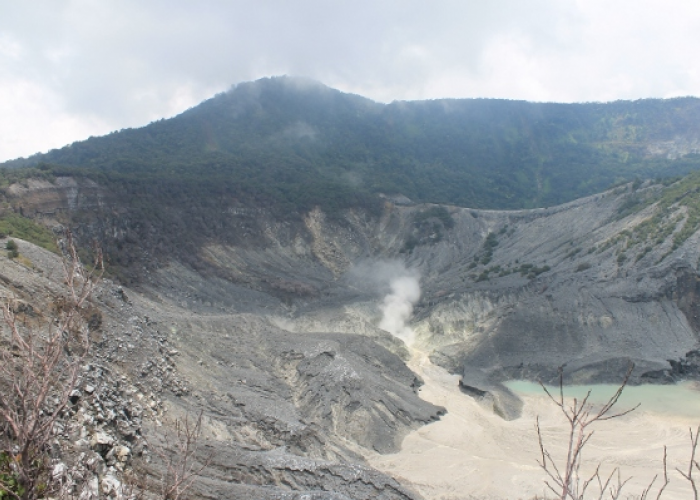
(266, 139)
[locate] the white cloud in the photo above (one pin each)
(32, 120)
(72, 68)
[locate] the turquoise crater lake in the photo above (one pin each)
(682, 399)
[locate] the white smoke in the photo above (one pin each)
(398, 307)
(400, 288)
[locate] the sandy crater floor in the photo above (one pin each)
(472, 453)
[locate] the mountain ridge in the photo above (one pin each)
(268, 139)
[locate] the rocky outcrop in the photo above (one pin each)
(687, 295)
(41, 198)
(278, 478)
(677, 147)
(504, 294)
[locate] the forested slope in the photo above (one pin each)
(293, 144)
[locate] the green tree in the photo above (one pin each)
(12, 249)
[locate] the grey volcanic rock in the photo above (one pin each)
(372, 386)
(64, 194)
(285, 414)
(583, 306)
(493, 396)
(685, 368)
(562, 285)
(345, 385)
(505, 294)
(277, 341)
(299, 478)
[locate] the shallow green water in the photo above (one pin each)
(681, 399)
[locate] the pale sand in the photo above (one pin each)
(472, 453)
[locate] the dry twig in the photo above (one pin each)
(647, 490)
(565, 479)
(179, 456)
(39, 368)
(692, 463)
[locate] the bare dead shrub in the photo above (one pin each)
(179, 455)
(39, 367)
(565, 478)
(692, 463)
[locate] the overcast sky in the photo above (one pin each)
(71, 69)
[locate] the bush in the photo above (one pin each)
(12, 249)
(9, 482)
(438, 212)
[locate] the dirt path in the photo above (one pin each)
(472, 453)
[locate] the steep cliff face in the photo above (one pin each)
(37, 197)
(560, 292)
(517, 292)
(503, 293)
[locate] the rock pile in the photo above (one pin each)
(100, 433)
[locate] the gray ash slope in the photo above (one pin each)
(278, 343)
(506, 293)
(285, 414)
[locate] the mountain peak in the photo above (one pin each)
(295, 142)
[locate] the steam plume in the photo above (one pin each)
(398, 307)
(400, 288)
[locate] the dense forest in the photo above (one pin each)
(292, 144)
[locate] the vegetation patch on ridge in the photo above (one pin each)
(15, 225)
(676, 214)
